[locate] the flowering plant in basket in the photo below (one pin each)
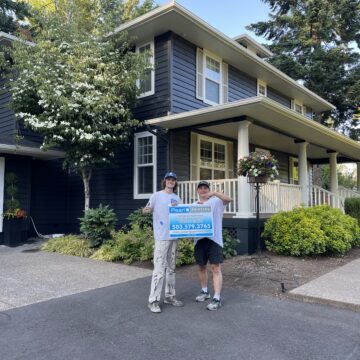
(258, 164)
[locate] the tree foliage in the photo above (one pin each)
(10, 13)
(313, 41)
(76, 88)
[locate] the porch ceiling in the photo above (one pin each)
(273, 126)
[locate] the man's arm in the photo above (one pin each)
(224, 198)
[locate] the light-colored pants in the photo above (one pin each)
(164, 267)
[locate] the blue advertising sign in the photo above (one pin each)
(188, 221)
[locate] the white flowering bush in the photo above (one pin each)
(258, 164)
(76, 89)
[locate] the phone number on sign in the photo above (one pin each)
(190, 226)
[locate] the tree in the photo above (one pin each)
(10, 13)
(346, 176)
(76, 90)
(313, 41)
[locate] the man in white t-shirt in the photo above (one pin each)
(165, 248)
(210, 249)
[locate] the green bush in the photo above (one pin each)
(185, 252)
(69, 245)
(127, 246)
(311, 231)
(230, 245)
(352, 207)
(142, 220)
(97, 224)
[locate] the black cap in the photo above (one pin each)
(203, 183)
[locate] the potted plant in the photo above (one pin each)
(14, 228)
(258, 167)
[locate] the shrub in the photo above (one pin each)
(352, 207)
(69, 245)
(97, 224)
(311, 231)
(230, 245)
(142, 220)
(126, 246)
(185, 251)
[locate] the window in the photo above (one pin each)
(294, 170)
(212, 162)
(144, 165)
(298, 107)
(146, 83)
(261, 88)
(211, 78)
(2, 175)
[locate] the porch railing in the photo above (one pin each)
(344, 192)
(320, 196)
(274, 196)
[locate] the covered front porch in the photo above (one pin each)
(233, 130)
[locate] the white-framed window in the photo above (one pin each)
(261, 88)
(298, 107)
(211, 78)
(144, 165)
(147, 82)
(212, 159)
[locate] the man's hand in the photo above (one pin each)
(146, 210)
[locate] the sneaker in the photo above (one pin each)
(154, 307)
(204, 295)
(214, 305)
(171, 300)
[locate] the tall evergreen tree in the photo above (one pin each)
(315, 41)
(10, 13)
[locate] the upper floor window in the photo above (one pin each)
(261, 88)
(211, 78)
(298, 107)
(144, 165)
(147, 82)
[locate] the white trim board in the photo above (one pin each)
(2, 186)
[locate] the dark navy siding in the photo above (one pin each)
(278, 97)
(241, 86)
(184, 76)
(158, 104)
(180, 154)
(7, 117)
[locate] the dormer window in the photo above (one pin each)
(261, 88)
(146, 84)
(298, 107)
(211, 78)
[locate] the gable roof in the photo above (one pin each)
(173, 17)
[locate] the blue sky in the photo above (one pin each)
(228, 16)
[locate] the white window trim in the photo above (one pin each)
(297, 102)
(262, 83)
(136, 166)
(216, 58)
(213, 141)
(152, 62)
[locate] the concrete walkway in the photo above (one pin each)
(340, 287)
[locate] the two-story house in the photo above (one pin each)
(207, 101)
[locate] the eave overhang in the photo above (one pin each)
(175, 18)
(31, 151)
(267, 114)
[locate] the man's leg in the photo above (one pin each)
(217, 279)
(203, 276)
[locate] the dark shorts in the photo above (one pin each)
(208, 250)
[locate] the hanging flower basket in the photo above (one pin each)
(258, 167)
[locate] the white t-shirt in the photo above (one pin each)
(159, 203)
(217, 208)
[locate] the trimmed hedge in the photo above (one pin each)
(311, 231)
(352, 207)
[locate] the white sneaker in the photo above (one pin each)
(154, 307)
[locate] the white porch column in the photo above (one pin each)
(333, 172)
(358, 176)
(303, 172)
(244, 209)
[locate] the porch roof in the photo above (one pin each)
(273, 126)
(30, 151)
(174, 17)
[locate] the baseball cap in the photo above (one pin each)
(203, 183)
(170, 174)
